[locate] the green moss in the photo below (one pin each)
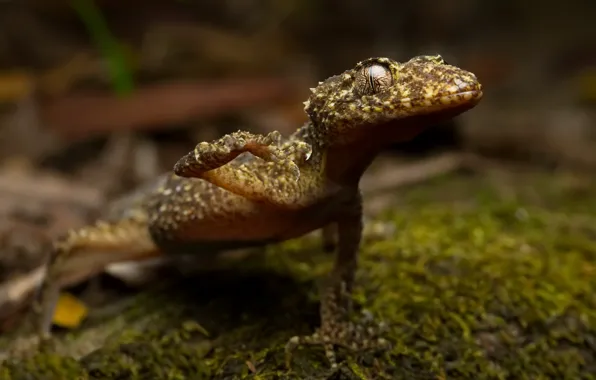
(474, 286)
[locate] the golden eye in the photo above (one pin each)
(373, 78)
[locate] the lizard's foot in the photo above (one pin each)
(45, 343)
(359, 336)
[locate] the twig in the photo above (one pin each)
(48, 189)
(412, 173)
(80, 116)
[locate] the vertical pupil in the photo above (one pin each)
(376, 76)
(371, 79)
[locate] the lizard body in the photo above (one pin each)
(247, 190)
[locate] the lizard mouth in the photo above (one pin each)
(461, 97)
(472, 94)
(445, 101)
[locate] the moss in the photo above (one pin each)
(474, 286)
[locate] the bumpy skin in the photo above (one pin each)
(248, 190)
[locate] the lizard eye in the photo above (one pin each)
(373, 78)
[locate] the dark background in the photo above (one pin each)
(191, 67)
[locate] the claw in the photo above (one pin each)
(353, 337)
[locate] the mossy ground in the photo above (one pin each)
(484, 280)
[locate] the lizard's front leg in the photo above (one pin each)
(207, 157)
(85, 252)
(275, 181)
(336, 301)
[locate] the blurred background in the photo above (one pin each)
(77, 74)
(97, 96)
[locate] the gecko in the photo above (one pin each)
(247, 190)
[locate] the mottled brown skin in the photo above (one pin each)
(248, 190)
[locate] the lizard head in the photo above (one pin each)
(390, 101)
